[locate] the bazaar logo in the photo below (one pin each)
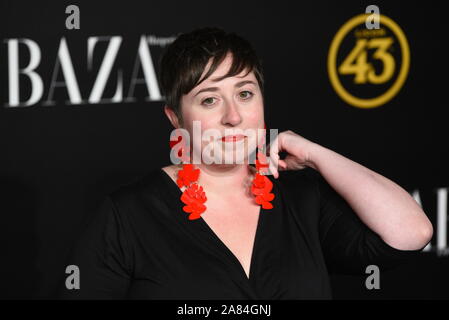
(368, 67)
(27, 82)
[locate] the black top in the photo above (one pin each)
(141, 245)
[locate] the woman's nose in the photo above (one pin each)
(231, 114)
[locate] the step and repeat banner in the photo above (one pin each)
(81, 112)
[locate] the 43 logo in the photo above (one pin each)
(368, 67)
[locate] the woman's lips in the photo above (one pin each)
(233, 138)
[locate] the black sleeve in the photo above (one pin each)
(348, 244)
(103, 255)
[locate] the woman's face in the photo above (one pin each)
(230, 104)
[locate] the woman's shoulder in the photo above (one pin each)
(149, 183)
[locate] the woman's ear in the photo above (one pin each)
(172, 117)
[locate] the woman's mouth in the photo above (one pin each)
(233, 138)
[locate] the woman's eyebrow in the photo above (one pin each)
(237, 85)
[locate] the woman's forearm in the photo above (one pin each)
(381, 204)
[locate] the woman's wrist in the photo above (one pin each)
(314, 155)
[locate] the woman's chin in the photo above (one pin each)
(228, 160)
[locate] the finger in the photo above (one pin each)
(282, 165)
(273, 151)
(292, 162)
(273, 167)
(273, 147)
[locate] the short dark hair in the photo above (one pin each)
(184, 60)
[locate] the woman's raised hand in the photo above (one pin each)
(299, 152)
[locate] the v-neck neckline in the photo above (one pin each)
(201, 222)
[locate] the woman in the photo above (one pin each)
(328, 215)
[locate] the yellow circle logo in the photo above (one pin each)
(367, 67)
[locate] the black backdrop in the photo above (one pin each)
(58, 158)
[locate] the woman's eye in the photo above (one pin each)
(210, 100)
(245, 95)
(249, 95)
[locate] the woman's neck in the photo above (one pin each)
(225, 178)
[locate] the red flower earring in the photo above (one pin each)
(193, 196)
(261, 186)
